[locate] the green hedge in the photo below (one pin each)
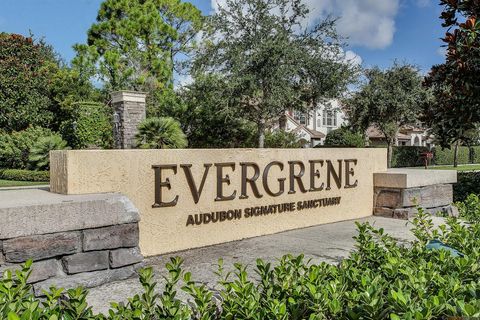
(407, 156)
(24, 175)
(382, 279)
(468, 183)
(445, 157)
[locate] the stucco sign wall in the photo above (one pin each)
(191, 198)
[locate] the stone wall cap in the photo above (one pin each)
(401, 178)
(38, 211)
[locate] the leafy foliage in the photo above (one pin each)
(15, 147)
(206, 118)
(39, 157)
(136, 44)
(24, 98)
(160, 133)
(470, 208)
(269, 61)
(456, 83)
(388, 100)
(381, 279)
(89, 126)
(282, 139)
(467, 183)
(344, 137)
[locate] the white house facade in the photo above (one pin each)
(313, 126)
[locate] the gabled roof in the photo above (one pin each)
(312, 133)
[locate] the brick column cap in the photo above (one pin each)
(128, 96)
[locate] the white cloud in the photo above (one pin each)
(353, 58)
(422, 3)
(368, 23)
(183, 80)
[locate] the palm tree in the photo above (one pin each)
(39, 157)
(160, 133)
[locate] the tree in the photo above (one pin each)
(160, 133)
(456, 83)
(206, 118)
(24, 82)
(137, 44)
(283, 139)
(269, 61)
(387, 100)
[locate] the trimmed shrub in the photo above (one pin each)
(24, 175)
(468, 182)
(445, 156)
(475, 154)
(470, 208)
(408, 156)
(283, 139)
(344, 137)
(15, 147)
(382, 279)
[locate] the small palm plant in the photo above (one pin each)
(160, 133)
(39, 158)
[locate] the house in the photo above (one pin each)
(407, 136)
(314, 125)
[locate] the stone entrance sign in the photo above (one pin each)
(193, 198)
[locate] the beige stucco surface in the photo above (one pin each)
(164, 230)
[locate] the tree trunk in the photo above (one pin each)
(389, 153)
(261, 134)
(282, 122)
(455, 155)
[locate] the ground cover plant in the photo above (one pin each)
(381, 279)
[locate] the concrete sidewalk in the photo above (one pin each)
(329, 243)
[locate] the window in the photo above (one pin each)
(329, 118)
(301, 117)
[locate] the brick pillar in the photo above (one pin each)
(129, 111)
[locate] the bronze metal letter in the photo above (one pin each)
(281, 181)
(350, 172)
(251, 181)
(337, 176)
(315, 174)
(159, 184)
(296, 177)
(196, 193)
(221, 180)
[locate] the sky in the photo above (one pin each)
(377, 32)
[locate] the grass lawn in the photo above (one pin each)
(12, 183)
(461, 167)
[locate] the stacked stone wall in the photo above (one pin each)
(73, 240)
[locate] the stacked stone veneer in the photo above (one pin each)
(129, 111)
(73, 240)
(399, 193)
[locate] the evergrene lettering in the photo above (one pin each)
(298, 176)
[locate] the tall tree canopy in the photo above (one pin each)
(137, 43)
(387, 100)
(269, 61)
(455, 111)
(24, 87)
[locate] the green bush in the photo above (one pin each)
(475, 154)
(344, 137)
(15, 147)
(39, 157)
(445, 157)
(470, 208)
(408, 156)
(24, 175)
(468, 182)
(381, 279)
(89, 127)
(282, 139)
